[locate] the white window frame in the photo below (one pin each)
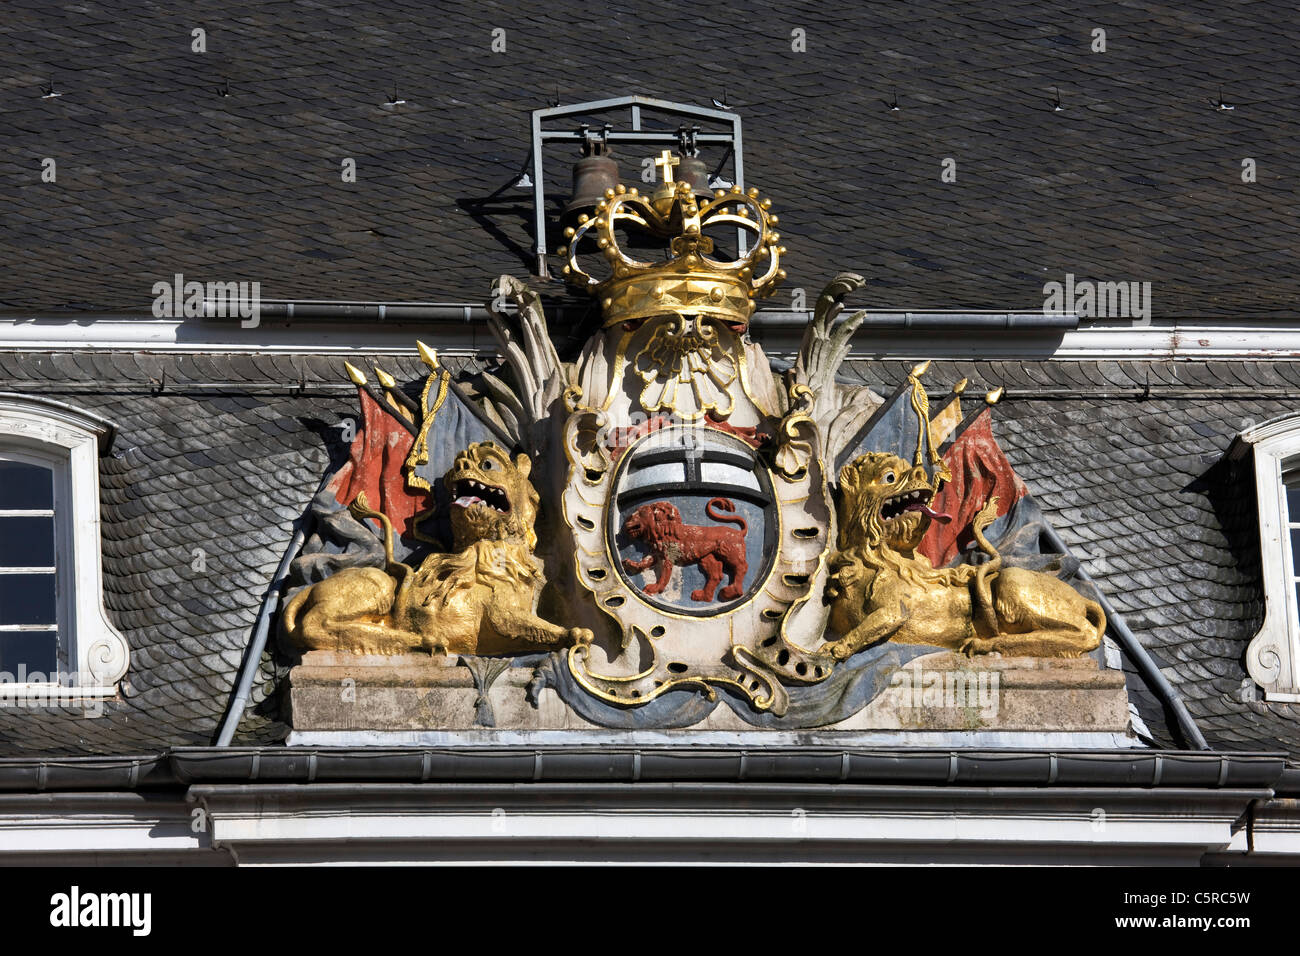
(70, 441)
(1273, 657)
(56, 463)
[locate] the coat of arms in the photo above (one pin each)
(658, 520)
(695, 495)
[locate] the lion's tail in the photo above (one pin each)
(982, 595)
(289, 616)
(361, 510)
(726, 504)
(986, 517)
(1097, 618)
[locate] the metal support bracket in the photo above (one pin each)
(545, 129)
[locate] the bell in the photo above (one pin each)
(594, 173)
(692, 170)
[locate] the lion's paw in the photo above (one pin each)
(838, 650)
(581, 635)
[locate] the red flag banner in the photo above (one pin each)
(375, 467)
(979, 471)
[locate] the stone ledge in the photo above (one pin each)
(825, 737)
(938, 692)
(331, 669)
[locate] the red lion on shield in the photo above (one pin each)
(717, 550)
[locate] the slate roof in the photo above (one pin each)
(1141, 491)
(1137, 177)
(226, 455)
(213, 453)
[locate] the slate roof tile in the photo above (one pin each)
(1170, 538)
(1137, 178)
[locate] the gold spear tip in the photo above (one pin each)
(355, 374)
(386, 380)
(919, 370)
(994, 396)
(960, 387)
(428, 356)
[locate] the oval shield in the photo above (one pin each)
(693, 524)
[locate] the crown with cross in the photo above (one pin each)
(691, 281)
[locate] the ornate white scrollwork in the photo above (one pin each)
(1273, 657)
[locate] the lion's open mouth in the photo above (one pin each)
(918, 499)
(470, 492)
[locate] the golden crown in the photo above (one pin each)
(691, 282)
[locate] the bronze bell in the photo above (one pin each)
(692, 170)
(594, 173)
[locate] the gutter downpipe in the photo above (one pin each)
(257, 644)
(1187, 728)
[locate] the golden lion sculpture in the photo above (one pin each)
(479, 599)
(881, 589)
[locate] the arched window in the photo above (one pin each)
(29, 592)
(54, 633)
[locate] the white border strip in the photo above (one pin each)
(148, 334)
(145, 333)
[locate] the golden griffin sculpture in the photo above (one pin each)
(477, 599)
(883, 589)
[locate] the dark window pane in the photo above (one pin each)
(25, 487)
(26, 542)
(22, 655)
(1293, 503)
(1295, 551)
(26, 599)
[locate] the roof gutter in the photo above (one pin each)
(923, 321)
(185, 766)
(778, 319)
(994, 768)
(364, 311)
